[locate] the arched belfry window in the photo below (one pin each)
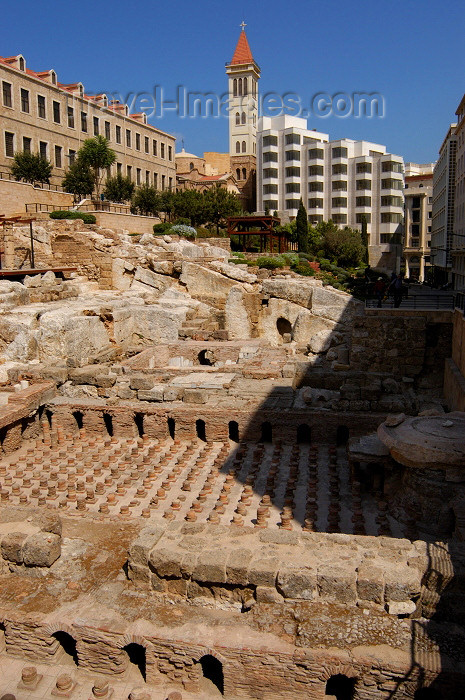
(240, 86)
(238, 173)
(235, 87)
(244, 147)
(238, 147)
(238, 119)
(245, 86)
(243, 118)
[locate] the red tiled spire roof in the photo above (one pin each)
(242, 54)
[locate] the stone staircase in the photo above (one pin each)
(200, 325)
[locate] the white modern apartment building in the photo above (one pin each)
(458, 240)
(418, 194)
(442, 226)
(342, 180)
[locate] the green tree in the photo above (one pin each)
(79, 179)
(166, 203)
(146, 200)
(219, 204)
(364, 235)
(343, 246)
(98, 156)
(31, 167)
(119, 188)
(302, 228)
(190, 204)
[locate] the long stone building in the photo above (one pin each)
(40, 114)
(343, 180)
(418, 216)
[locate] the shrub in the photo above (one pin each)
(184, 231)
(270, 263)
(159, 229)
(61, 214)
(181, 221)
(204, 232)
(303, 268)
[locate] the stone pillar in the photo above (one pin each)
(8, 261)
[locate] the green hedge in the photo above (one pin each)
(62, 214)
(270, 263)
(161, 228)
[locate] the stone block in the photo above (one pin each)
(268, 594)
(138, 573)
(195, 396)
(166, 562)
(141, 381)
(140, 549)
(153, 394)
(11, 547)
(41, 549)
(48, 522)
(263, 571)
(402, 583)
(237, 566)
(370, 583)
(297, 582)
(337, 584)
(211, 567)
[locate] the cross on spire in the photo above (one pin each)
(243, 25)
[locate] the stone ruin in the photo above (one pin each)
(215, 483)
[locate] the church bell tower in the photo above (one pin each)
(243, 76)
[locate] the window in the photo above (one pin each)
(339, 168)
(147, 177)
(24, 100)
(56, 112)
(170, 153)
(71, 117)
(41, 106)
(58, 157)
(43, 149)
(391, 201)
(6, 92)
(416, 202)
(244, 147)
(128, 138)
(146, 144)
(315, 153)
(163, 178)
(339, 185)
(138, 176)
(137, 142)
(272, 203)
(339, 218)
(119, 168)
(359, 218)
(416, 215)
(315, 203)
(238, 175)
(391, 167)
(118, 134)
(154, 148)
(391, 184)
(96, 126)
(9, 144)
(387, 218)
(27, 144)
(107, 131)
(292, 187)
(270, 140)
(129, 171)
(270, 157)
(155, 180)
(71, 156)
(293, 171)
(292, 203)
(315, 170)
(385, 238)
(415, 229)
(363, 185)
(243, 118)
(363, 201)
(339, 152)
(415, 242)
(245, 85)
(270, 172)
(292, 155)
(315, 187)
(292, 138)
(238, 119)
(235, 87)
(84, 121)
(339, 201)
(270, 189)
(244, 174)
(363, 168)
(162, 150)
(238, 148)
(21, 64)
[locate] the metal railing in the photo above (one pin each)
(6, 175)
(416, 302)
(36, 207)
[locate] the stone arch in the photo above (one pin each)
(139, 423)
(171, 427)
(79, 418)
(200, 429)
(283, 326)
(233, 431)
(68, 643)
(214, 662)
(244, 147)
(340, 686)
(238, 146)
(108, 423)
(238, 119)
(137, 655)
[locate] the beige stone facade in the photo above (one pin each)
(41, 114)
(418, 195)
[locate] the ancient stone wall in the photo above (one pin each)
(454, 376)
(15, 195)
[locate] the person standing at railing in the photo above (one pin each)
(379, 290)
(396, 288)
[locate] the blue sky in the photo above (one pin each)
(409, 52)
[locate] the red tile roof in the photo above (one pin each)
(242, 54)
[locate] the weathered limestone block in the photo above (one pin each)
(77, 338)
(122, 274)
(152, 279)
(298, 291)
(153, 394)
(141, 547)
(237, 321)
(233, 272)
(370, 583)
(263, 571)
(12, 294)
(203, 283)
(166, 562)
(321, 341)
(299, 582)
(211, 567)
(337, 583)
(11, 547)
(237, 566)
(402, 583)
(41, 549)
(334, 305)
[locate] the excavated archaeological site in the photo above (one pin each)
(216, 483)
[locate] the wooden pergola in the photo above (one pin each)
(263, 226)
